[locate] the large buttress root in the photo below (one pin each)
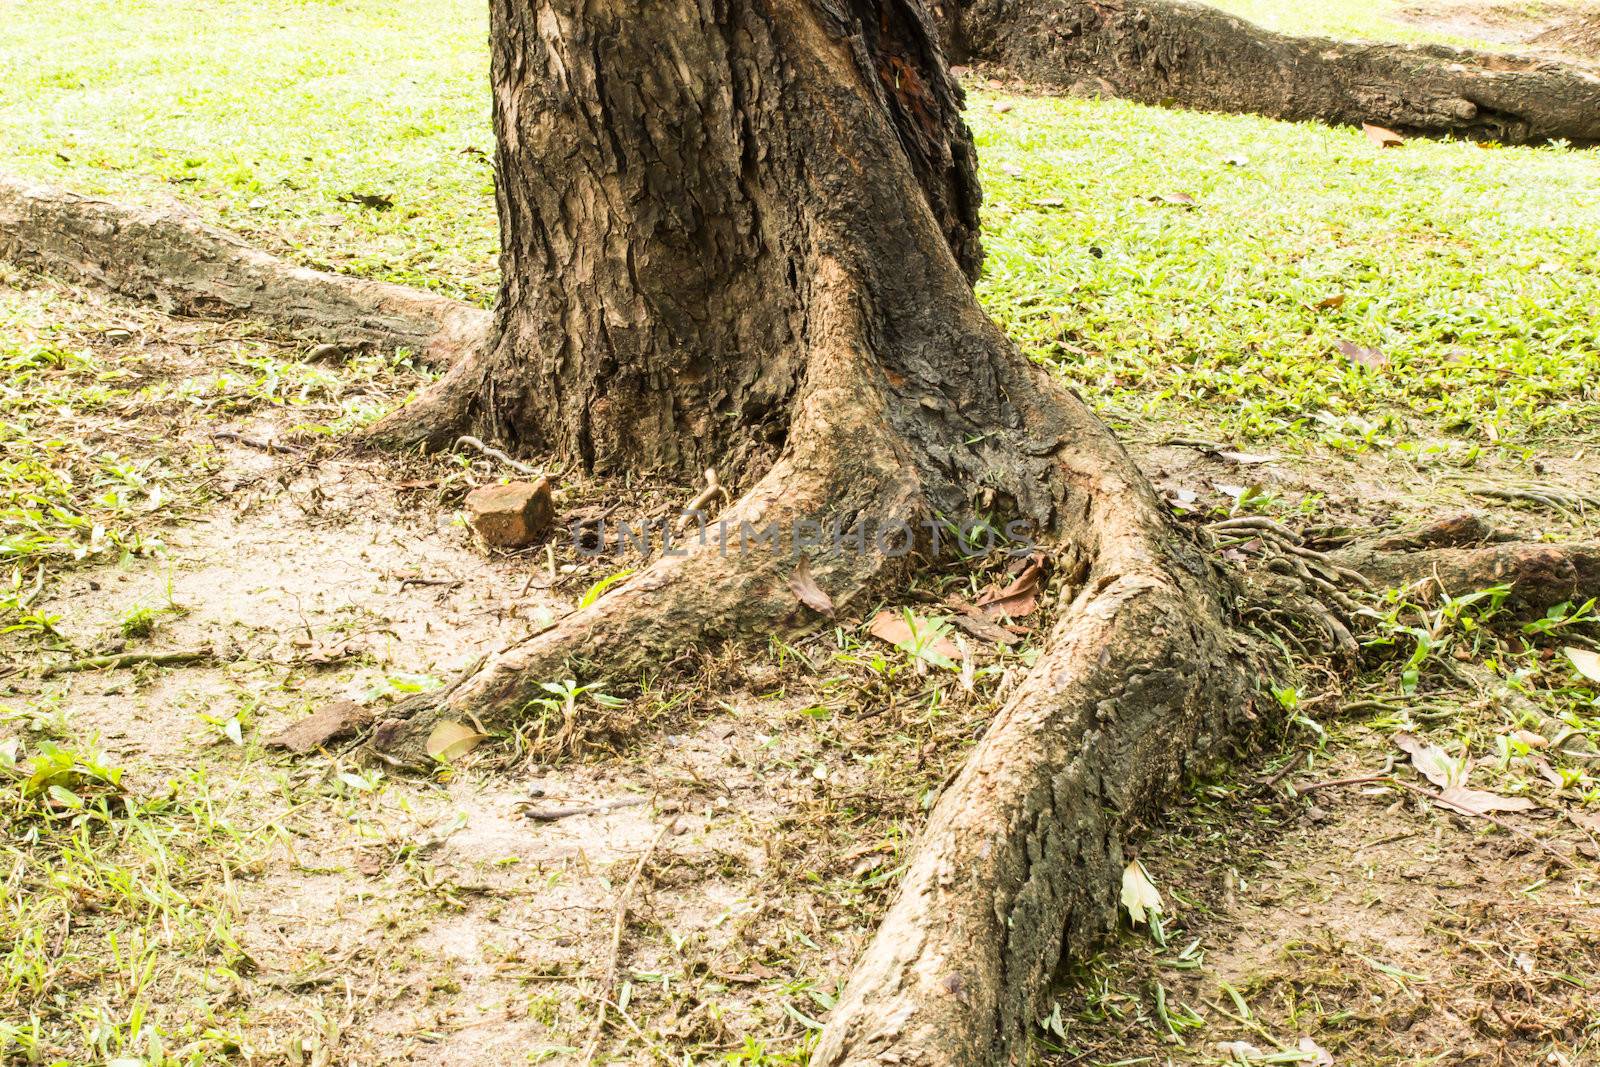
(1191, 54)
(1022, 854)
(730, 581)
(170, 257)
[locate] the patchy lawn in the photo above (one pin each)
(1282, 319)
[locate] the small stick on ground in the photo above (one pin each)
(495, 453)
(1283, 772)
(127, 659)
(553, 814)
(406, 583)
(262, 444)
(704, 498)
(620, 923)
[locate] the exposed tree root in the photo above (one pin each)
(1193, 55)
(171, 258)
(1538, 575)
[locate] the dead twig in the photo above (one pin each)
(620, 923)
(553, 814)
(495, 453)
(703, 499)
(127, 659)
(1283, 772)
(406, 583)
(260, 443)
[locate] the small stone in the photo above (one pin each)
(511, 515)
(339, 719)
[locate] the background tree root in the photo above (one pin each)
(170, 257)
(1190, 54)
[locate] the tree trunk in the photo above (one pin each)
(663, 251)
(1177, 52)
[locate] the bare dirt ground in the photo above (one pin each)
(1569, 31)
(746, 816)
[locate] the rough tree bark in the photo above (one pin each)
(741, 234)
(1178, 52)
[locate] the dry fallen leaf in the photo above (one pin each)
(891, 626)
(1332, 303)
(1529, 738)
(1588, 663)
(1367, 357)
(450, 740)
(1183, 199)
(1478, 802)
(972, 619)
(1139, 894)
(807, 591)
(1431, 761)
(338, 719)
(1247, 458)
(1021, 596)
(1316, 1055)
(1383, 138)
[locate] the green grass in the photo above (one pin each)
(1473, 271)
(1356, 20)
(263, 114)
(1389, 21)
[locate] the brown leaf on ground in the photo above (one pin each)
(807, 591)
(891, 626)
(1587, 663)
(1430, 761)
(452, 739)
(1478, 802)
(1382, 137)
(1331, 303)
(1182, 199)
(971, 618)
(1371, 358)
(333, 721)
(1314, 1054)
(1021, 596)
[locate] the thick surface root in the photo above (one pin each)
(171, 258)
(1538, 575)
(1023, 853)
(1190, 54)
(731, 581)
